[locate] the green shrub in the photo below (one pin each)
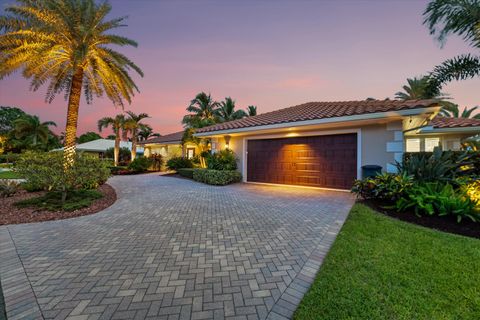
(386, 186)
(437, 198)
(140, 164)
(186, 172)
(176, 163)
(222, 160)
(8, 188)
(156, 162)
(217, 177)
(440, 165)
(51, 201)
(9, 157)
(45, 171)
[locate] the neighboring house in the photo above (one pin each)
(169, 146)
(100, 146)
(325, 144)
(447, 133)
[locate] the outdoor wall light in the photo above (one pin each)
(227, 141)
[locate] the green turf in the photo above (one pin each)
(52, 200)
(9, 175)
(381, 268)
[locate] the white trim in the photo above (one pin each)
(297, 186)
(431, 129)
(358, 131)
(367, 116)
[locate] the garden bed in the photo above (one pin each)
(446, 223)
(12, 214)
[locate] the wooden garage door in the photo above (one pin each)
(328, 161)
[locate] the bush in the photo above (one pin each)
(117, 169)
(217, 177)
(438, 198)
(176, 163)
(8, 188)
(9, 157)
(386, 186)
(156, 162)
(186, 172)
(45, 171)
(51, 201)
(140, 164)
(222, 160)
(440, 165)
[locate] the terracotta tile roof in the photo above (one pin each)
(443, 122)
(320, 110)
(168, 138)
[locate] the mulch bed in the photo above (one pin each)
(443, 223)
(11, 214)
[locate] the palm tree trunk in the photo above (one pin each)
(116, 149)
(134, 144)
(72, 117)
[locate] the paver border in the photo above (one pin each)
(20, 300)
(289, 301)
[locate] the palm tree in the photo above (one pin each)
(29, 126)
(132, 125)
(118, 125)
(454, 112)
(444, 17)
(66, 43)
(226, 111)
(145, 132)
(252, 111)
(202, 111)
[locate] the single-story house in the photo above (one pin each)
(325, 144)
(169, 146)
(100, 146)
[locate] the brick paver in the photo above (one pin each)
(171, 248)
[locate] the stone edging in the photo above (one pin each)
(20, 300)
(290, 299)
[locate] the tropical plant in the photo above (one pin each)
(417, 88)
(176, 163)
(118, 125)
(222, 160)
(88, 136)
(132, 125)
(446, 17)
(202, 111)
(7, 116)
(386, 186)
(202, 144)
(454, 112)
(252, 111)
(32, 128)
(156, 161)
(145, 132)
(226, 111)
(66, 43)
(8, 188)
(140, 164)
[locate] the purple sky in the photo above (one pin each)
(272, 54)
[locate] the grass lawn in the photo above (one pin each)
(381, 268)
(9, 175)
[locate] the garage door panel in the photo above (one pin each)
(322, 161)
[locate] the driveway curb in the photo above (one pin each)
(20, 300)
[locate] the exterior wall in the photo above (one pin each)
(167, 151)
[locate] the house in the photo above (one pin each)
(170, 146)
(325, 144)
(100, 146)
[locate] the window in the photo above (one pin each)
(431, 143)
(190, 153)
(413, 145)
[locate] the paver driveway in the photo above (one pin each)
(171, 248)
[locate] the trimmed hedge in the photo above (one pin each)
(216, 177)
(186, 172)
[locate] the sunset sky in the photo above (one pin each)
(271, 54)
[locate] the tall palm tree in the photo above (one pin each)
(66, 43)
(227, 112)
(29, 126)
(445, 17)
(202, 111)
(454, 112)
(118, 125)
(132, 125)
(252, 111)
(145, 132)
